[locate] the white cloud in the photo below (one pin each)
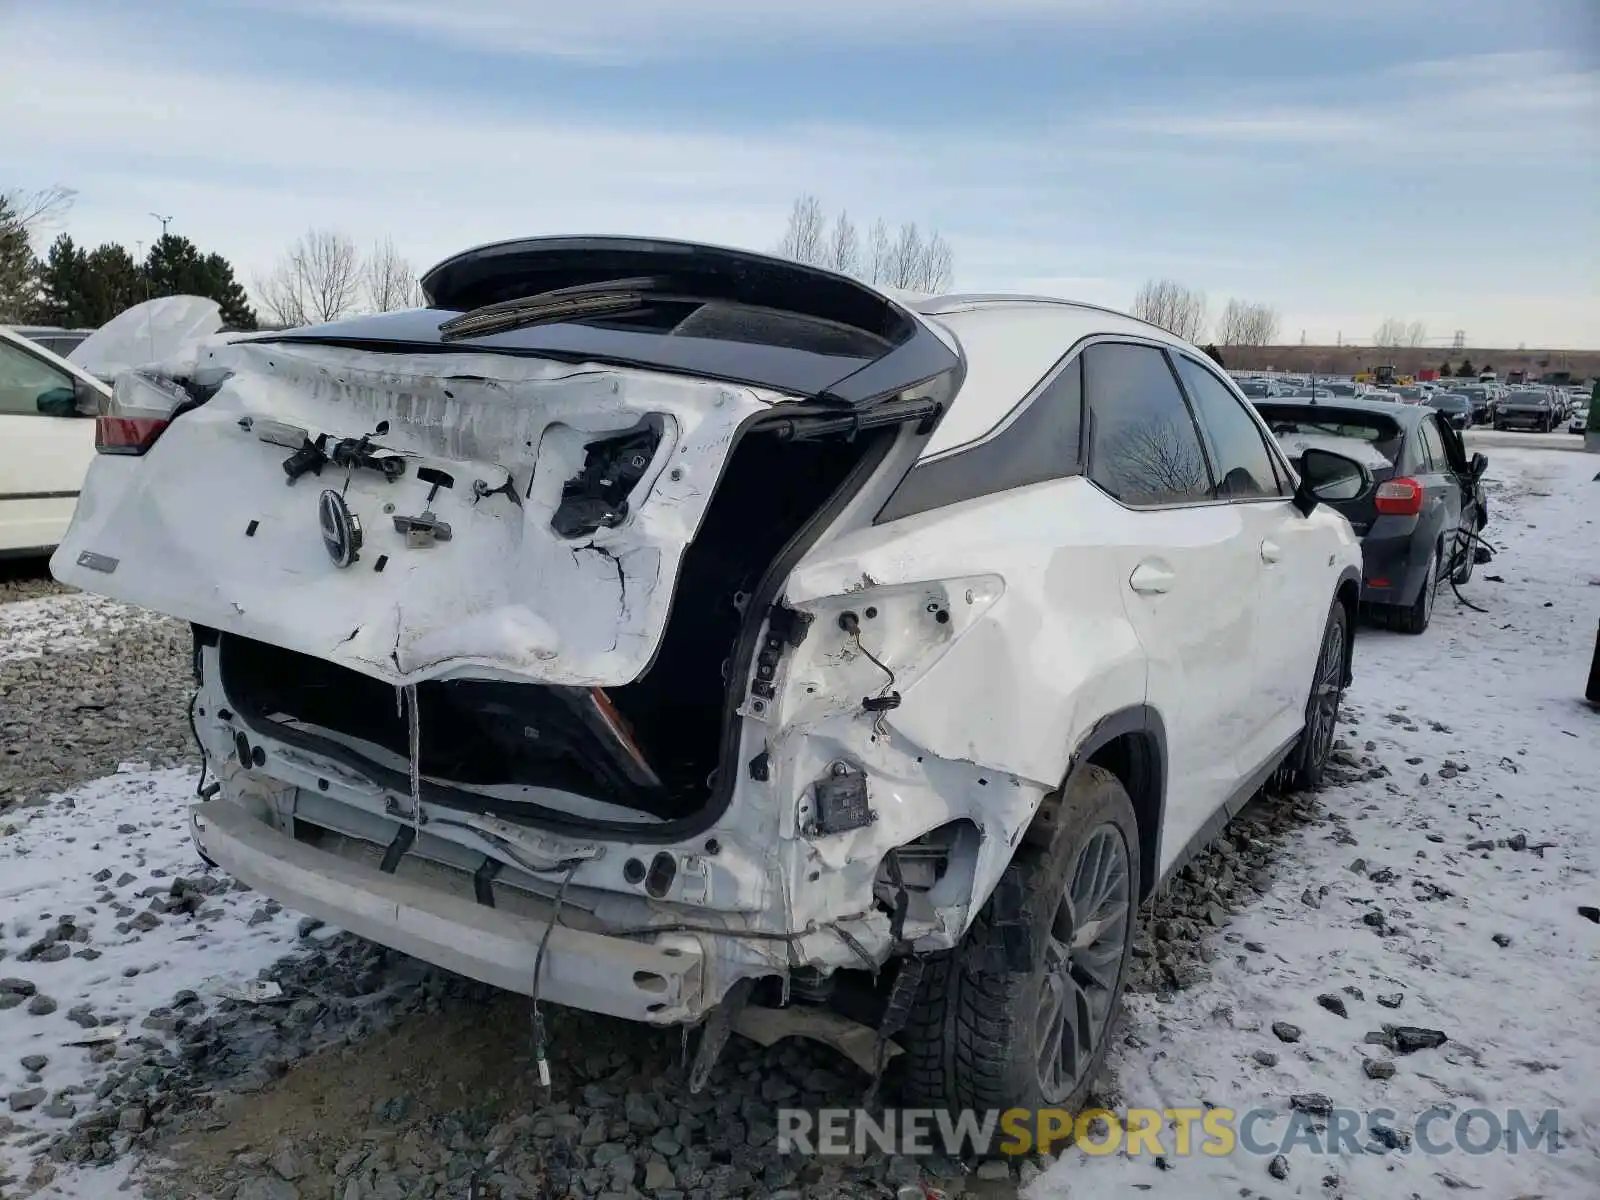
(1086, 205)
(621, 30)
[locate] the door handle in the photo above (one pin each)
(1150, 578)
(1271, 552)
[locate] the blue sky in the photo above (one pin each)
(1429, 160)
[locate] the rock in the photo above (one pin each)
(1410, 1038)
(103, 874)
(1286, 1032)
(54, 952)
(1353, 992)
(1392, 1000)
(994, 1170)
(1310, 899)
(17, 987)
(657, 1175)
(1315, 1103)
(268, 1187)
(259, 917)
(1378, 1068)
(307, 926)
(1388, 1137)
(1517, 841)
(288, 1164)
(61, 1108)
(41, 1005)
(83, 1016)
(132, 1119)
(126, 878)
(9, 1000)
(1481, 844)
(641, 1112)
(35, 1062)
(1266, 1058)
(1333, 1004)
(1502, 940)
(145, 921)
(1382, 875)
(28, 1098)
(1255, 947)
(1278, 1168)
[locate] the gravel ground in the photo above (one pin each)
(96, 686)
(372, 1076)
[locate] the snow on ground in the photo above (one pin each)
(71, 622)
(1497, 694)
(89, 858)
(1493, 694)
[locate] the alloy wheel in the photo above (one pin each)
(1087, 942)
(1326, 692)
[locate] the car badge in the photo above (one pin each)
(341, 528)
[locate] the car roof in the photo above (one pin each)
(1010, 343)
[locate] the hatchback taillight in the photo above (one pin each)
(1399, 498)
(139, 409)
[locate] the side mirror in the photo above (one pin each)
(86, 398)
(57, 402)
(1326, 476)
(1478, 466)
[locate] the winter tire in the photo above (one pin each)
(1466, 554)
(1309, 763)
(1418, 616)
(1019, 1015)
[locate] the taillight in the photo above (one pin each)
(1399, 498)
(140, 408)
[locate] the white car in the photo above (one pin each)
(663, 630)
(46, 443)
(47, 434)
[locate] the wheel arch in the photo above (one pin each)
(1131, 743)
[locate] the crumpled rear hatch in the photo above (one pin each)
(513, 506)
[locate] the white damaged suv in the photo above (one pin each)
(692, 636)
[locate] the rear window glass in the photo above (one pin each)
(1381, 433)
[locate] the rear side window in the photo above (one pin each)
(1144, 448)
(1239, 456)
(1433, 445)
(1041, 442)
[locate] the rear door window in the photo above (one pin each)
(24, 378)
(1144, 448)
(1239, 455)
(1433, 445)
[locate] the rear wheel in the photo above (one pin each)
(1466, 552)
(1018, 1016)
(1419, 614)
(1310, 761)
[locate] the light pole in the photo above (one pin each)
(165, 221)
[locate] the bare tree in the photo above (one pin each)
(805, 238)
(907, 259)
(318, 279)
(1154, 459)
(1177, 309)
(23, 216)
(1245, 324)
(1416, 334)
(1391, 333)
(842, 251)
(388, 279)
